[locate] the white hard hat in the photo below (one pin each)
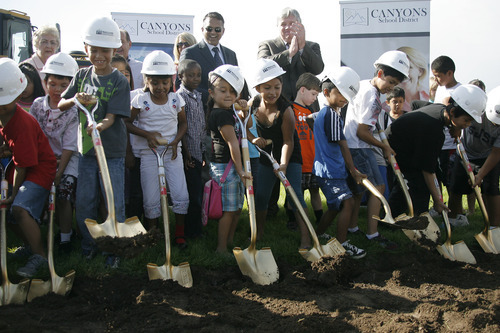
(267, 70)
(12, 81)
(158, 63)
(471, 98)
(60, 64)
(103, 32)
(493, 106)
(396, 60)
(232, 74)
(346, 80)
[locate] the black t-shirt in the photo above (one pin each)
(216, 120)
(417, 138)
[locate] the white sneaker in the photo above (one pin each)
(325, 236)
(459, 221)
(353, 251)
(433, 212)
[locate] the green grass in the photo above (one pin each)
(283, 242)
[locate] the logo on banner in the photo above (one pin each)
(128, 25)
(355, 16)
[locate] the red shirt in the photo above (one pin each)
(30, 148)
(306, 136)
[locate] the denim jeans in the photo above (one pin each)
(88, 194)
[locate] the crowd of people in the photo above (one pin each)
(186, 106)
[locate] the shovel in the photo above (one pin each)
(259, 265)
(488, 239)
(10, 293)
(333, 247)
(431, 232)
(56, 284)
(132, 226)
(182, 273)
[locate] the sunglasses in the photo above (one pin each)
(182, 44)
(217, 30)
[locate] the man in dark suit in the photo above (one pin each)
(209, 53)
(292, 52)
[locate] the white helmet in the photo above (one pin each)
(158, 63)
(394, 59)
(346, 80)
(103, 32)
(60, 64)
(471, 98)
(493, 106)
(12, 81)
(232, 74)
(267, 70)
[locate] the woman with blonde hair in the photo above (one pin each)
(182, 41)
(414, 85)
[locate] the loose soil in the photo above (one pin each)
(420, 292)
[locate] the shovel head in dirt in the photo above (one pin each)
(427, 237)
(459, 251)
(182, 273)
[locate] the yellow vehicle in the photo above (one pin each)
(15, 35)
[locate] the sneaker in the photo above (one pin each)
(353, 251)
(385, 243)
(460, 221)
(434, 213)
(35, 262)
(112, 261)
(325, 236)
(89, 254)
(20, 252)
(180, 242)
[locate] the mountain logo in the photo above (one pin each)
(128, 25)
(355, 17)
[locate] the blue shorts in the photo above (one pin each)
(233, 191)
(335, 191)
(365, 161)
(32, 198)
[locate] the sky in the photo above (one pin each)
(461, 29)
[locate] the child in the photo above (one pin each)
(160, 113)
(362, 114)
(34, 162)
(33, 90)
(225, 85)
(333, 156)
(308, 88)
(482, 145)
(113, 92)
(61, 128)
(417, 138)
(275, 121)
(189, 72)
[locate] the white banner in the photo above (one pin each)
(370, 28)
(150, 32)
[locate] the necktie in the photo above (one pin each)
(217, 58)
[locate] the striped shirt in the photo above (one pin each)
(195, 122)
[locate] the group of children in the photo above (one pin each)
(315, 151)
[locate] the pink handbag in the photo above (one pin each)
(212, 198)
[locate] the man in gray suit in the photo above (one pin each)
(292, 52)
(209, 53)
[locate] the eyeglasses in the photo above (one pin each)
(182, 44)
(217, 29)
(49, 42)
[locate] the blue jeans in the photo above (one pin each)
(88, 194)
(266, 180)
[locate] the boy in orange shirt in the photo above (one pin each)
(308, 88)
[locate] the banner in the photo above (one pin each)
(149, 32)
(370, 28)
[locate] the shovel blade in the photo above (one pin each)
(107, 228)
(462, 253)
(403, 221)
(14, 293)
(130, 228)
(332, 248)
(62, 285)
(494, 235)
(259, 265)
(427, 237)
(446, 252)
(485, 243)
(181, 274)
(38, 288)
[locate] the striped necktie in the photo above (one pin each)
(217, 58)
